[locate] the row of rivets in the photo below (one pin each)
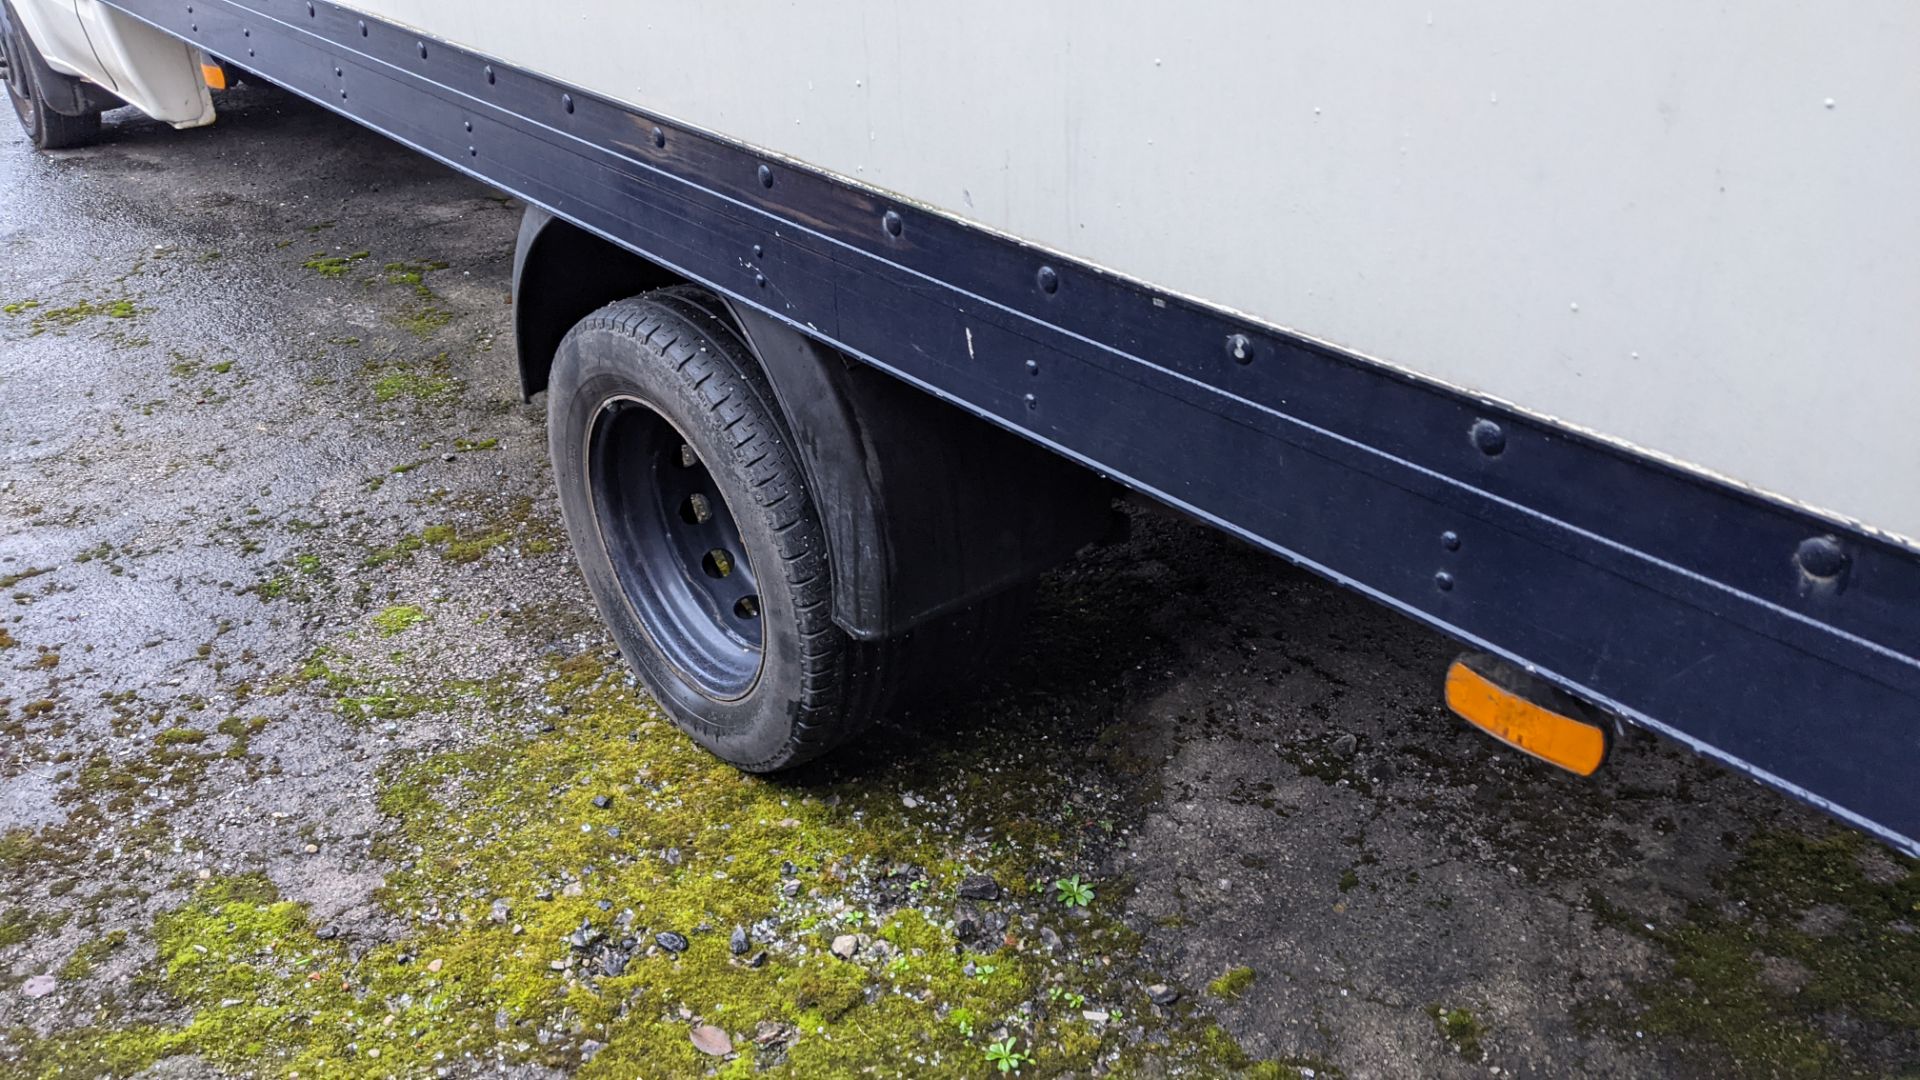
(1443, 580)
(1490, 439)
(1821, 559)
(566, 100)
(1486, 434)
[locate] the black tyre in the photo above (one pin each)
(693, 524)
(695, 531)
(25, 76)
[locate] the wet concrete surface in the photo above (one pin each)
(259, 412)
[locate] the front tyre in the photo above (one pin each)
(24, 73)
(696, 533)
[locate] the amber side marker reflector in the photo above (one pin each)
(215, 75)
(1525, 713)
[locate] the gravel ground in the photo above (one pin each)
(317, 761)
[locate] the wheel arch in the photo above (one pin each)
(561, 274)
(927, 508)
(66, 94)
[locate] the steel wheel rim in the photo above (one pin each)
(675, 547)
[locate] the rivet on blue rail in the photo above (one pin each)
(766, 176)
(566, 102)
(1488, 437)
(1450, 540)
(1821, 557)
(1444, 581)
(659, 137)
(1048, 280)
(1240, 347)
(890, 221)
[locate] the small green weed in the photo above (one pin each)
(1073, 892)
(1003, 1056)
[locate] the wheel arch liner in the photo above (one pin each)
(577, 273)
(1782, 642)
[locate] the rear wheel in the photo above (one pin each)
(692, 521)
(696, 532)
(25, 73)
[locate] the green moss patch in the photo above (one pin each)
(413, 274)
(88, 956)
(18, 924)
(429, 380)
(364, 691)
(397, 619)
(572, 894)
(1461, 1029)
(1233, 983)
(180, 736)
(515, 525)
(43, 318)
(332, 266)
(8, 581)
(1805, 942)
(422, 319)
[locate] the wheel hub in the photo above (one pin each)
(675, 547)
